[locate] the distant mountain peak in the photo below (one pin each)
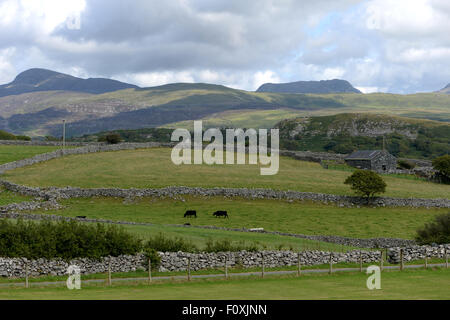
(445, 89)
(35, 76)
(38, 79)
(322, 86)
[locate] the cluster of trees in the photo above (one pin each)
(426, 145)
(9, 136)
(442, 165)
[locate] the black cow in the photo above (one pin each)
(81, 217)
(220, 213)
(190, 213)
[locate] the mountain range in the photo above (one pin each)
(446, 89)
(322, 86)
(36, 79)
(37, 101)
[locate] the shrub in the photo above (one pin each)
(113, 138)
(437, 231)
(366, 183)
(404, 164)
(154, 257)
(23, 138)
(164, 244)
(64, 239)
(7, 136)
(442, 165)
(224, 245)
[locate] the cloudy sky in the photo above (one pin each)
(398, 46)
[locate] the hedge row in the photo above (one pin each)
(64, 239)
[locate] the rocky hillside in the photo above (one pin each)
(38, 100)
(344, 133)
(36, 79)
(446, 89)
(322, 86)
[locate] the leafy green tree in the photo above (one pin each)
(442, 164)
(405, 164)
(113, 138)
(366, 183)
(437, 231)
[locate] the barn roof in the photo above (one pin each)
(364, 155)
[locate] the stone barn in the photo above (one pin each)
(376, 160)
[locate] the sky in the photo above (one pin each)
(397, 46)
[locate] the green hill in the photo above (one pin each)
(344, 133)
(9, 136)
(87, 110)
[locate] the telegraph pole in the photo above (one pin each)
(64, 135)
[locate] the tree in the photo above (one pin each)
(437, 231)
(442, 165)
(113, 138)
(366, 183)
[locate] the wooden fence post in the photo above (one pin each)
(109, 272)
(401, 259)
(262, 273)
(426, 262)
(189, 269)
(26, 275)
(381, 260)
(360, 261)
(331, 262)
(446, 258)
(299, 271)
(149, 270)
(226, 267)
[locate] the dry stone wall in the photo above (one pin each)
(178, 261)
(82, 150)
(176, 192)
(46, 143)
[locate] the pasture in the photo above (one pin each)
(153, 168)
(272, 215)
(7, 197)
(408, 284)
(9, 153)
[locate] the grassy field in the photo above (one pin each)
(153, 168)
(242, 119)
(272, 215)
(16, 152)
(417, 284)
(7, 197)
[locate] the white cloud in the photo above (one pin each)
(399, 46)
(7, 70)
(371, 89)
(262, 77)
(151, 79)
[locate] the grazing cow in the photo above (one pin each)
(187, 224)
(220, 213)
(81, 217)
(190, 213)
